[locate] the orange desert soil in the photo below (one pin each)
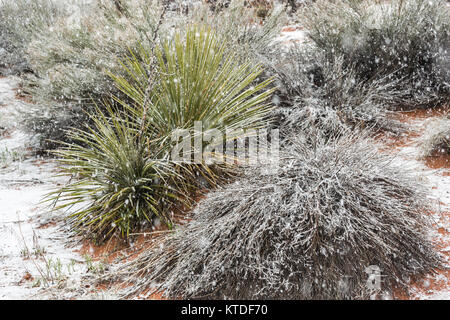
(117, 249)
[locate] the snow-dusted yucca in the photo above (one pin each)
(72, 62)
(122, 169)
(315, 229)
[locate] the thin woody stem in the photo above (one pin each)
(150, 83)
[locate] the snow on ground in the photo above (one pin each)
(35, 262)
(437, 181)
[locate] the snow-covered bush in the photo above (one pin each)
(18, 21)
(319, 227)
(316, 96)
(247, 36)
(402, 39)
(436, 139)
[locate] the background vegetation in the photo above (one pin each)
(113, 81)
(405, 40)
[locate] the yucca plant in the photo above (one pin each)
(115, 186)
(121, 166)
(198, 82)
(69, 63)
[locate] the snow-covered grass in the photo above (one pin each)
(19, 20)
(436, 139)
(318, 97)
(309, 230)
(35, 259)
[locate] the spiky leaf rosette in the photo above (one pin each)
(125, 160)
(198, 82)
(310, 230)
(114, 185)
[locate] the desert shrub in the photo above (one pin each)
(312, 229)
(405, 39)
(125, 160)
(18, 21)
(436, 139)
(317, 96)
(218, 5)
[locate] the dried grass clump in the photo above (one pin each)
(436, 139)
(248, 37)
(307, 231)
(402, 39)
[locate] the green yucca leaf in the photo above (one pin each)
(116, 186)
